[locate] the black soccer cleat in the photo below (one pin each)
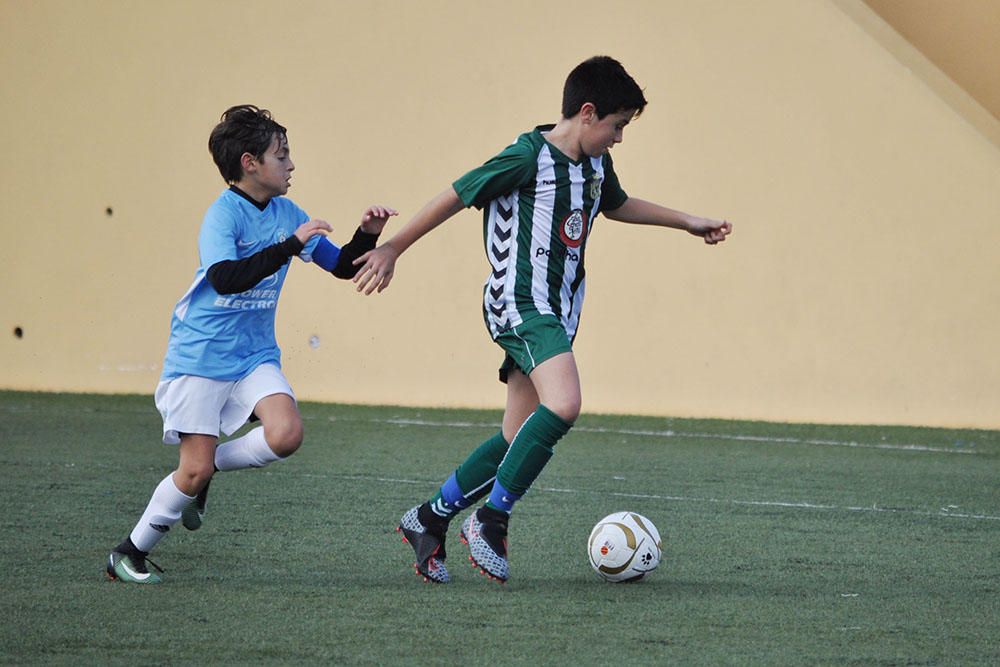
(485, 531)
(427, 541)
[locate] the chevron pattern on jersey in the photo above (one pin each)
(501, 231)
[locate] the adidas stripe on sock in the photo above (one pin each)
(162, 512)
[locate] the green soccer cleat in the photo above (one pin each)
(194, 512)
(131, 568)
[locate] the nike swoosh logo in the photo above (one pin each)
(245, 244)
(141, 576)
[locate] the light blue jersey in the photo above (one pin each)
(226, 336)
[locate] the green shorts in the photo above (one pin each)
(531, 343)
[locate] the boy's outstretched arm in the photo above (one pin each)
(375, 217)
(341, 263)
(641, 212)
(232, 276)
(378, 265)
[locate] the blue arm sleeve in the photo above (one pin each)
(326, 254)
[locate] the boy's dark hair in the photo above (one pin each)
(603, 82)
(242, 129)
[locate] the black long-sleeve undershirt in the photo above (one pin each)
(359, 244)
(233, 276)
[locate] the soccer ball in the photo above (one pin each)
(624, 546)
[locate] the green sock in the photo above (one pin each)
(528, 454)
(472, 480)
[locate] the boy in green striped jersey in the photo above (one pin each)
(539, 198)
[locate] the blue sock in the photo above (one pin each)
(449, 499)
(501, 498)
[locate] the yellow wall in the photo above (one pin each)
(861, 283)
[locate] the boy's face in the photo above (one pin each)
(270, 175)
(601, 134)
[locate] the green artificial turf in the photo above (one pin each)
(784, 545)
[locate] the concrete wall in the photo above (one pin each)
(860, 285)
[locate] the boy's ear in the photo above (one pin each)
(588, 112)
(248, 162)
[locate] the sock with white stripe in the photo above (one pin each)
(472, 480)
(247, 451)
(162, 512)
(530, 450)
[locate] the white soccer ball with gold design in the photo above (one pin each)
(624, 546)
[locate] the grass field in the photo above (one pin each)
(784, 545)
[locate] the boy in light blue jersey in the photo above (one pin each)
(539, 197)
(223, 365)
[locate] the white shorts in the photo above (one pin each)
(192, 404)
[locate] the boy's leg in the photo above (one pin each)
(469, 482)
(278, 436)
(425, 526)
(195, 473)
(282, 423)
(522, 400)
(556, 385)
(474, 477)
(171, 496)
(196, 467)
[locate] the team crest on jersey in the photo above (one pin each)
(595, 186)
(573, 228)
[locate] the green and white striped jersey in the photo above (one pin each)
(538, 209)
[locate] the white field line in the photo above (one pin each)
(948, 512)
(945, 512)
(638, 432)
(694, 435)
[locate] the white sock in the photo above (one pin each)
(162, 512)
(247, 451)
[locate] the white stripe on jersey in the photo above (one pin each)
(572, 315)
(597, 164)
(541, 230)
(570, 267)
(572, 320)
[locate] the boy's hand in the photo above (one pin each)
(713, 231)
(374, 218)
(311, 228)
(377, 268)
